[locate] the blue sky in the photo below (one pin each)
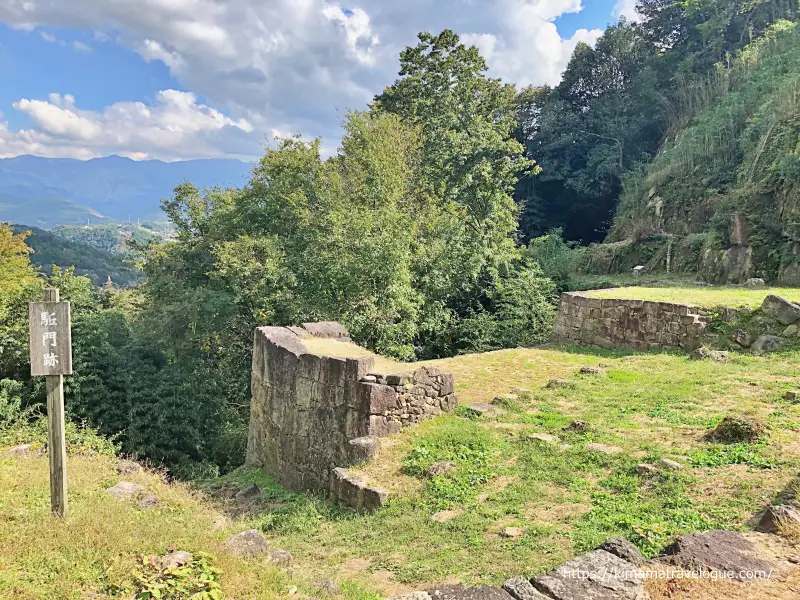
(178, 79)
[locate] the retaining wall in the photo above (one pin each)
(630, 324)
(312, 414)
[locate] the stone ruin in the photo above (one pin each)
(320, 404)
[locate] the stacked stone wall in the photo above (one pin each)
(311, 415)
(630, 324)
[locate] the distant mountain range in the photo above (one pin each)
(46, 192)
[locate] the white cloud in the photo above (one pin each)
(81, 47)
(627, 9)
(166, 128)
(297, 65)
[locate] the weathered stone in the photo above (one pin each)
(128, 467)
(503, 398)
(558, 383)
(765, 343)
(379, 398)
(444, 516)
(327, 587)
(716, 551)
(736, 429)
(398, 379)
(513, 532)
(327, 329)
(598, 575)
(126, 490)
(521, 589)
(669, 465)
(364, 448)
(543, 437)
(248, 493)
(353, 491)
(619, 546)
(441, 468)
(791, 331)
(743, 337)
(369, 379)
(781, 309)
(591, 371)
(482, 409)
(719, 356)
(639, 270)
(792, 396)
(702, 353)
(603, 448)
(755, 283)
(21, 451)
(578, 426)
(278, 557)
(777, 519)
(247, 544)
(447, 385)
(174, 560)
(149, 500)
(413, 596)
(646, 469)
(460, 592)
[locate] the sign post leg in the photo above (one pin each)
(56, 440)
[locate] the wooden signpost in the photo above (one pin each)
(51, 357)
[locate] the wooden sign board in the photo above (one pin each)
(50, 338)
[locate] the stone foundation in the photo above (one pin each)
(311, 414)
(630, 324)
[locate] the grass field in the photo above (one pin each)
(565, 500)
(706, 297)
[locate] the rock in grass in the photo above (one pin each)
(21, 451)
(792, 396)
(248, 493)
(413, 596)
(591, 371)
(791, 331)
(781, 309)
(646, 469)
(737, 429)
(557, 384)
(148, 501)
(126, 490)
(513, 532)
(598, 575)
(755, 283)
(247, 544)
(604, 449)
(128, 467)
(278, 557)
(578, 426)
(504, 398)
(619, 546)
(743, 337)
(543, 437)
(780, 518)
(719, 356)
(462, 592)
(441, 468)
(521, 589)
(327, 587)
(669, 465)
(482, 409)
(445, 516)
(174, 560)
(765, 343)
(716, 551)
(701, 353)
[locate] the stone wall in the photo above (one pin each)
(630, 324)
(311, 414)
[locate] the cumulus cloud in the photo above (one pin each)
(297, 65)
(166, 128)
(627, 9)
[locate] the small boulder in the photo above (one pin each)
(701, 353)
(669, 465)
(646, 469)
(173, 560)
(791, 331)
(743, 337)
(779, 518)
(755, 283)
(792, 396)
(21, 451)
(720, 551)
(413, 596)
(765, 343)
(126, 490)
(543, 437)
(327, 587)
(248, 493)
(445, 516)
(482, 409)
(462, 592)
(603, 448)
(521, 589)
(128, 467)
(619, 546)
(578, 426)
(597, 575)
(719, 356)
(364, 448)
(557, 384)
(441, 468)
(591, 371)
(148, 501)
(278, 557)
(781, 309)
(503, 398)
(513, 532)
(737, 429)
(247, 544)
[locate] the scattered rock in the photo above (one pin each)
(603, 576)
(248, 493)
(128, 467)
(278, 557)
(736, 429)
(521, 589)
(505, 398)
(543, 437)
(646, 469)
(778, 518)
(791, 331)
(702, 353)
(125, 490)
(327, 587)
(364, 448)
(441, 468)
(247, 544)
(719, 356)
(578, 426)
(765, 343)
(755, 283)
(619, 546)
(669, 465)
(743, 337)
(716, 551)
(21, 451)
(174, 560)
(521, 391)
(594, 447)
(446, 516)
(220, 522)
(591, 371)
(369, 379)
(792, 396)
(558, 383)
(513, 532)
(413, 596)
(149, 500)
(461, 592)
(781, 309)
(482, 409)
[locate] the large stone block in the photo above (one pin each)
(778, 308)
(598, 575)
(377, 399)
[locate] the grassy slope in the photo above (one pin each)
(699, 296)
(658, 405)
